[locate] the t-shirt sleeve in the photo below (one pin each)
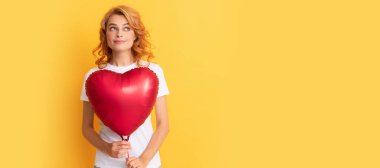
(162, 87)
(83, 95)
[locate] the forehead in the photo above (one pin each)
(117, 19)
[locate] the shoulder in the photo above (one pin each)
(90, 71)
(153, 66)
(156, 68)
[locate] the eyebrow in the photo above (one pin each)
(116, 24)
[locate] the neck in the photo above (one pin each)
(122, 58)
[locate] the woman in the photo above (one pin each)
(123, 43)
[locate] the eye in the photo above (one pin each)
(127, 28)
(112, 28)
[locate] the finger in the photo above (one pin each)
(135, 163)
(131, 163)
(121, 155)
(123, 147)
(124, 152)
(124, 143)
(117, 143)
(131, 159)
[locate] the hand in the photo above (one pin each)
(118, 149)
(134, 162)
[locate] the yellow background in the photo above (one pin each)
(266, 84)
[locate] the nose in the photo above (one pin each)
(119, 34)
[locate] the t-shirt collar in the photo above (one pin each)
(120, 67)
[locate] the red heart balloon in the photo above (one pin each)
(122, 101)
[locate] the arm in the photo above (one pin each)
(88, 131)
(162, 129)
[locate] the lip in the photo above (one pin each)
(118, 41)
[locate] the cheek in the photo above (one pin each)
(132, 35)
(108, 36)
(130, 43)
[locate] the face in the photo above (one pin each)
(120, 36)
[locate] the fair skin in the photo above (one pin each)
(120, 38)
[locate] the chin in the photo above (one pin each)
(119, 48)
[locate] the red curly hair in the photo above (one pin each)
(141, 46)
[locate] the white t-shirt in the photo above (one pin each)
(140, 138)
